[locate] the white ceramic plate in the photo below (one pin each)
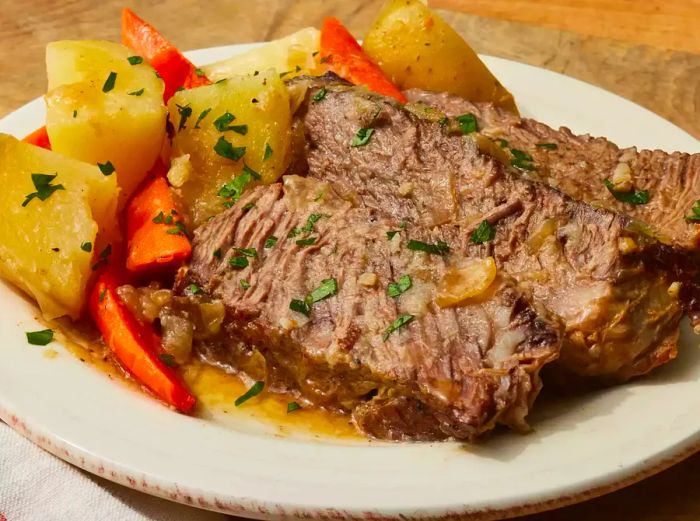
(580, 447)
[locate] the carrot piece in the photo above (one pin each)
(346, 58)
(135, 345)
(39, 138)
(176, 70)
(154, 237)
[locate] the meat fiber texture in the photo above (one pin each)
(593, 268)
(579, 165)
(452, 372)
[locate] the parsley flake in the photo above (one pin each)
(467, 123)
(235, 188)
(306, 242)
(633, 197)
(247, 252)
(244, 283)
(328, 288)
(135, 60)
(194, 289)
(86, 246)
(268, 152)
(401, 286)
(521, 160)
(102, 295)
(400, 322)
(548, 146)
(201, 116)
(391, 234)
(238, 262)
(44, 188)
(293, 406)
(226, 149)
(222, 123)
(199, 72)
(362, 137)
(185, 112)
(439, 248)
(136, 92)
(484, 232)
(110, 82)
(217, 253)
(106, 168)
(320, 94)
(40, 338)
(270, 241)
(300, 307)
(255, 390)
(168, 360)
(694, 213)
(179, 229)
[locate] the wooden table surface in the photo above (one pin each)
(663, 80)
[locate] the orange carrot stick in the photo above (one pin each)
(39, 138)
(156, 239)
(346, 58)
(176, 70)
(135, 346)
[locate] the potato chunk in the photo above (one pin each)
(100, 107)
(418, 49)
(292, 55)
(43, 244)
(239, 129)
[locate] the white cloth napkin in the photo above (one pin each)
(36, 486)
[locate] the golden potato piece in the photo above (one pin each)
(243, 121)
(44, 243)
(91, 120)
(292, 55)
(418, 49)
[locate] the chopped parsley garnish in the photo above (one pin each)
(222, 123)
(178, 230)
(110, 82)
(135, 60)
(504, 143)
(201, 116)
(467, 123)
(247, 252)
(226, 149)
(159, 219)
(633, 197)
(320, 94)
(136, 92)
(244, 283)
(235, 188)
(306, 242)
(328, 288)
(248, 207)
(168, 360)
(44, 188)
(293, 406)
(391, 234)
(439, 248)
(484, 232)
(401, 286)
(40, 338)
(102, 295)
(326, 58)
(548, 146)
(443, 121)
(75, 113)
(362, 137)
(400, 322)
(521, 160)
(217, 253)
(250, 393)
(106, 168)
(185, 113)
(240, 129)
(403, 225)
(312, 219)
(86, 246)
(238, 262)
(694, 213)
(268, 152)
(270, 241)
(194, 289)
(102, 257)
(199, 72)
(300, 307)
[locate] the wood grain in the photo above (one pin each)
(669, 24)
(664, 81)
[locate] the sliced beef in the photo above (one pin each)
(593, 268)
(579, 167)
(449, 372)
